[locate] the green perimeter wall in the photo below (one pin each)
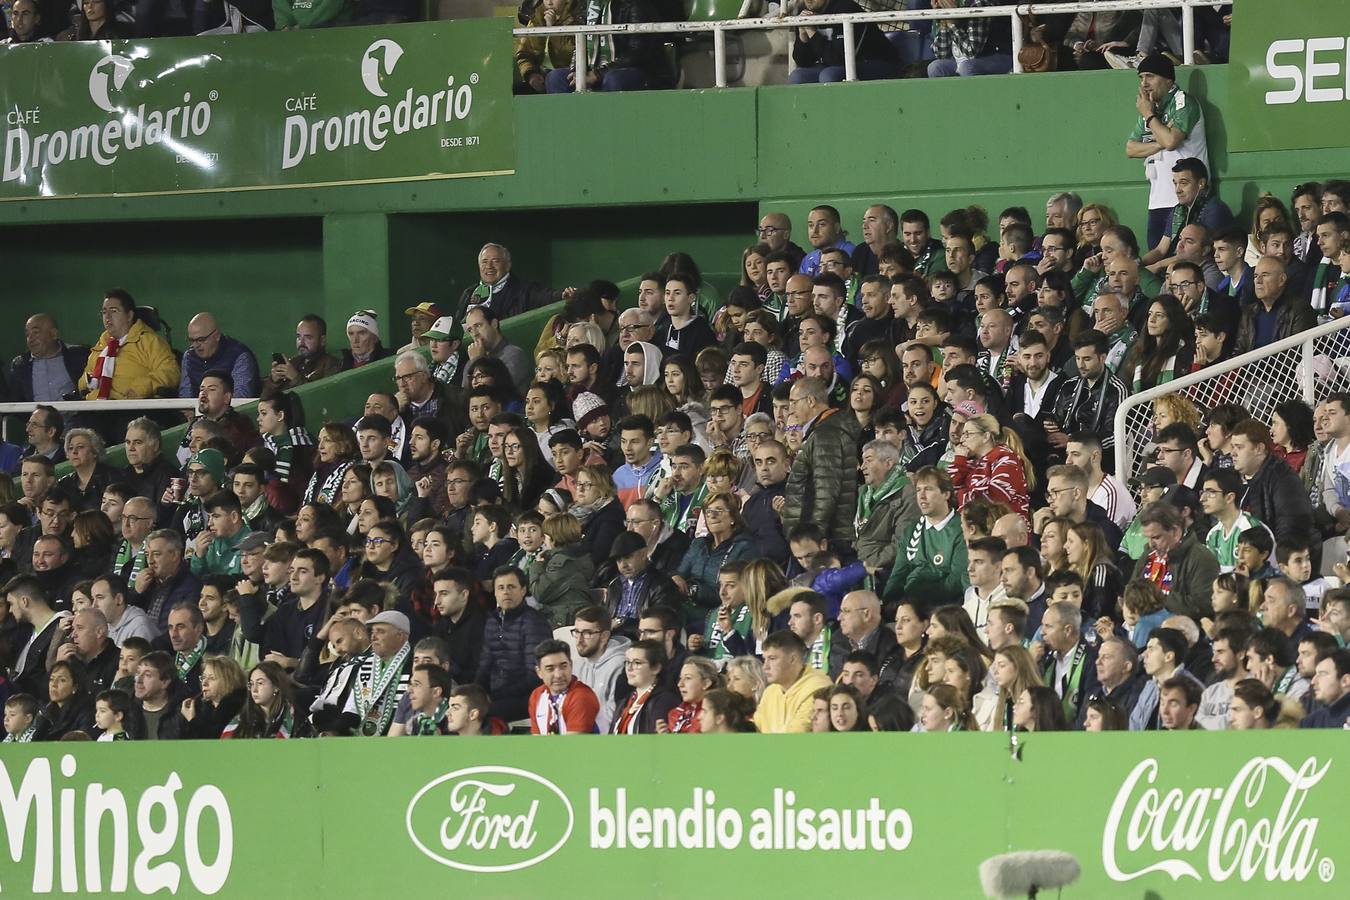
(605, 186)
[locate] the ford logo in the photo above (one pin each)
(489, 819)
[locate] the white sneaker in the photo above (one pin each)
(1117, 61)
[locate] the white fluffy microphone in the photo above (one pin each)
(1023, 873)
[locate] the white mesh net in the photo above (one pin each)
(1260, 385)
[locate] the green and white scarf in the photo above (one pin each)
(683, 521)
(869, 498)
(373, 691)
(185, 661)
(426, 724)
(1189, 215)
(23, 737)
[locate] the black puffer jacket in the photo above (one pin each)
(506, 667)
(1275, 495)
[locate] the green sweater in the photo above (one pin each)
(930, 563)
(222, 556)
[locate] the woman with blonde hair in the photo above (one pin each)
(1269, 210)
(745, 676)
(550, 363)
(761, 583)
(1172, 408)
(223, 688)
(990, 464)
(1014, 670)
(650, 400)
(1091, 221)
(579, 333)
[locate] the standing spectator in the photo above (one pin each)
(820, 486)
(49, 369)
(128, 361)
(505, 668)
(1084, 450)
(1170, 128)
(210, 349)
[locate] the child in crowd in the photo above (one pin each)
(111, 709)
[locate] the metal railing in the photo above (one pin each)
(1307, 366)
(849, 21)
(102, 406)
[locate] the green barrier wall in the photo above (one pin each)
(873, 815)
(606, 185)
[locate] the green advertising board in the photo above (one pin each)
(1290, 73)
(1256, 815)
(330, 106)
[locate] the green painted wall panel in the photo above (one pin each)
(258, 277)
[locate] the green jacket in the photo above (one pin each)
(561, 582)
(1193, 570)
(930, 564)
(222, 556)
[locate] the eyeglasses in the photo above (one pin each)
(628, 329)
(635, 523)
(456, 481)
(1055, 492)
(752, 436)
(409, 377)
(197, 341)
(1177, 285)
(126, 518)
(716, 512)
(1162, 450)
(806, 293)
(721, 408)
(376, 541)
(766, 230)
(513, 448)
(586, 632)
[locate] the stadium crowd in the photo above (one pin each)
(871, 487)
(625, 62)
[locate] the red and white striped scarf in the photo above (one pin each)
(101, 380)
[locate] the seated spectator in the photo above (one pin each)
(1277, 314)
(128, 361)
(1331, 688)
(562, 704)
(224, 690)
(971, 46)
(292, 15)
(211, 349)
(90, 475)
(819, 52)
(499, 290)
(482, 323)
(786, 704)
(25, 26)
(49, 369)
(311, 361)
(536, 57)
(363, 340)
(1038, 709)
(1197, 203)
(215, 404)
(216, 549)
(97, 21)
(619, 62)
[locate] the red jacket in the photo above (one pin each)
(579, 708)
(998, 477)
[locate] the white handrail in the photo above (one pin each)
(1307, 384)
(92, 406)
(1014, 12)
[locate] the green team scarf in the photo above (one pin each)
(1188, 215)
(184, 661)
(426, 724)
(374, 693)
(482, 293)
(670, 508)
(23, 737)
(776, 304)
(869, 498)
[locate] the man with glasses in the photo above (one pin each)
(165, 581)
(775, 229)
(1179, 451)
(1057, 246)
(635, 324)
(1187, 281)
(798, 304)
(1067, 496)
(210, 349)
(138, 518)
(483, 325)
(205, 472)
(666, 546)
(725, 421)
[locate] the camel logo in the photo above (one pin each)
(109, 73)
(377, 64)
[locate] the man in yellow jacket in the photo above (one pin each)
(786, 704)
(130, 361)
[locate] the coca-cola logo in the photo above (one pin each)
(489, 819)
(1255, 828)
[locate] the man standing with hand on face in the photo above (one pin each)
(1170, 128)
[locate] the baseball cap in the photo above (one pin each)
(444, 329)
(1154, 476)
(426, 308)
